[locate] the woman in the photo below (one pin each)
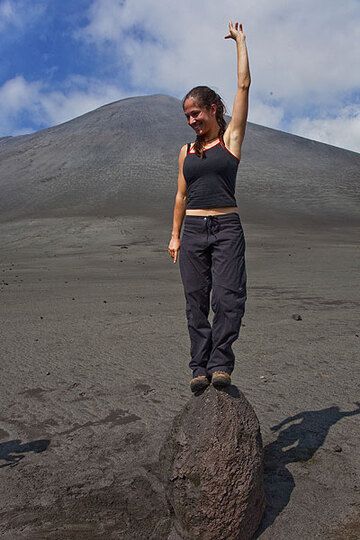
(212, 254)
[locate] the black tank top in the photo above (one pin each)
(210, 181)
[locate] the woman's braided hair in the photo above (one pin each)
(205, 97)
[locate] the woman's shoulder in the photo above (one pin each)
(185, 149)
(183, 152)
(187, 146)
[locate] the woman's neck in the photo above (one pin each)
(210, 138)
(208, 141)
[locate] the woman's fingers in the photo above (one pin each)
(176, 251)
(173, 254)
(234, 30)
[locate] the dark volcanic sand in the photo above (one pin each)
(95, 355)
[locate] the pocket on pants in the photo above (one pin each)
(195, 268)
(229, 303)
(229, 266)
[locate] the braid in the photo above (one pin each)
(205, 97)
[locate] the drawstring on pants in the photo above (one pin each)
(212, 225)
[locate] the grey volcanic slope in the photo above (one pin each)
(121, 159)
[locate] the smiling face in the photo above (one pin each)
(202, 120)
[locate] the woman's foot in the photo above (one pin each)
(220, 379)
(200, 382)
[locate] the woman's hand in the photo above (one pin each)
(174, 247)
(235, 32)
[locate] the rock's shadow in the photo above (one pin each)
(14, 451)
(299, 438)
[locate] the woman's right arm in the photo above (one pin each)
(179, 209)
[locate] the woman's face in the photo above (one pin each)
(200, 119)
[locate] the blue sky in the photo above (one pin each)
(61, 59)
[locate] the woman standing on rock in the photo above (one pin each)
(212, 253)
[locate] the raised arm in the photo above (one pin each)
(235, 132)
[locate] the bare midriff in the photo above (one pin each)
(211, 211)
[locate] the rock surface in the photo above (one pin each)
(212, 468)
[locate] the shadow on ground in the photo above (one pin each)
(12, 452)
(300, 437)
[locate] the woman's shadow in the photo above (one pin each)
(12, 452)
(303, 435)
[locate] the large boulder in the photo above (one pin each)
(212, 468)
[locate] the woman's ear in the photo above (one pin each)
(213, 109)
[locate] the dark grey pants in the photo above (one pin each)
(212, 258)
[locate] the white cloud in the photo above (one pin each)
(266, 115)
(304, 53)
(296, 50)
(106, 21)
(6, 10)
(46, 107)
(19, 14)
(7, 13)
(83, 95)
(344, 130)
(17, 94)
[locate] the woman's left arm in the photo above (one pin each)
(235, 132)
